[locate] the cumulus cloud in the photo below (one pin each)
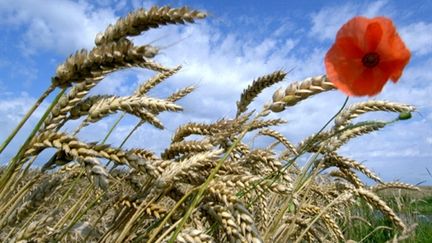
(12, 108)
(418, 36)
(328, 20)
(56, 25)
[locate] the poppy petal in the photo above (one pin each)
(370, 83)
(394, 68)
(355, 29)
(342, 71)
(373, 36)
(349, 47)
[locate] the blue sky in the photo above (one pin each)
(239, 41)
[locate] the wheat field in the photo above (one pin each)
(210, 184)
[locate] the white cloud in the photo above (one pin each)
(418, 37)
(12, 108)
(327, 21)
(414, 87)
(55, 25)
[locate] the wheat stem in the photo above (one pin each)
(342, 197)
(168, 216)
(204, 186)
(282, 212)
(26, 117)
(15, 161)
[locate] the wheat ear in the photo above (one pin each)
(257, 86)
(299, 91)
(142, 20)
(374, 200)
(278, 136)
(152, 82)
(358, 109)
(100, 61)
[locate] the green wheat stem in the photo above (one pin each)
(124, 141)
(26, 117)
(168, 216)
(113, 127)
(204, 186)
(282, 212)
(79, 214)
(342, 197)
(15, 161)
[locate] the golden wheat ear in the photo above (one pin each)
(257, 86)
(355, 110)
(142, 20)
(299, 91)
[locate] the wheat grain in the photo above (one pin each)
(393, 185)
(194, 129)
(132, 104)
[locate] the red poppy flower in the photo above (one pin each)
(367, 53)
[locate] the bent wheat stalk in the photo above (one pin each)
(16, 161)
(27, 116)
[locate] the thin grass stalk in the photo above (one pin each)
(320, 131)
(17, 195)
(15, 182)
(300, 153)
(301, 185)
(103, 212)
(97, 221)
(124, 141)
(76, 179)
(289, 203)
(5, 193)
(130, 134)
(165, 233)
(374, 230)
(14, 162)
(324, 210)
(26, 224)
(305, 176)
(26, 117)
(65, 196)
(304, 149)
